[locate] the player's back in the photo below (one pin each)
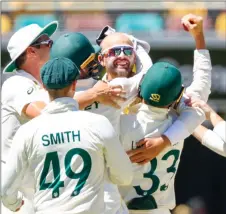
(67, 162)
(153, 182)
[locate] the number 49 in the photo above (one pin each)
(52, 158)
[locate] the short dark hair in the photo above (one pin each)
(21, 60)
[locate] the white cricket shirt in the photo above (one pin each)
(153, 183)
(66, 151)
(17, 92)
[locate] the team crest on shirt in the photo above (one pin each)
(30, 90)
(155, 97)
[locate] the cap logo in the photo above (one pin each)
(155, 97)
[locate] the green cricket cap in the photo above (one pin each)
(74, 46)
(161, 85)
(58, 73)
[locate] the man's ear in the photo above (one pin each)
(101, 60)
(30, 51)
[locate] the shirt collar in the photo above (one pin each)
(60, 105)
(151, 112)
(29, 76)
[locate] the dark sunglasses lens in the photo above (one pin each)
(117, 51)
(111, 52)
(128, 51)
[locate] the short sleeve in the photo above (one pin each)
(19, 91)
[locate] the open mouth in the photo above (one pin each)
(121, 63)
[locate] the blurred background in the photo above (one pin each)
(201, 179)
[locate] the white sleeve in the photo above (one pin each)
(215, 140)
(14, 171)
(19, 97)
(220, 130)
(200, 87)
(117, 161)
(143, 60)
(187, 121)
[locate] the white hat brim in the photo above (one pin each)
(49, 30)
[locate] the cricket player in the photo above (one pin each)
(213, 139)
(152, 188)
(29, 49)
(65, 150)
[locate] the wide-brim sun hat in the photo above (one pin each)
(23, 38)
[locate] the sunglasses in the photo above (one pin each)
(48, 42)
(116, 51)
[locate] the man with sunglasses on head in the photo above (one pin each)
(152, 188)
(29, 49)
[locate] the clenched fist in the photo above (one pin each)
(193, 23)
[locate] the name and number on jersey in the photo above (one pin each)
(52, 163)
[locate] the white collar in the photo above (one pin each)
(60, 105)
(27, 75)
(151, 112)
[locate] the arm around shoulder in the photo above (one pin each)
(188, 120)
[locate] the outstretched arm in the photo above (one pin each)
(216, 139)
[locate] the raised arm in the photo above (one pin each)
(201, 84)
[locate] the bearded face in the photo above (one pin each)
(119, 60)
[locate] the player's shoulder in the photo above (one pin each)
(96, 123)
(33, 124)
(14, 77)
(92, 118)
(14, 82)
